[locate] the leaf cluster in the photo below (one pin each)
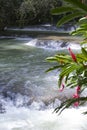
(82, 30)
(72, 72)
(71, 10)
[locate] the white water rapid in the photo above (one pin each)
(33, 119)
(53, 44)
(28, 95)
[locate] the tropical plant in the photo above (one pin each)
(73, 67)
(71, 9)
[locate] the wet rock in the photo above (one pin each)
(2, 109)
(22, 100)
(53, 44)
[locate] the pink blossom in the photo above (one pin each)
(76, 96)
(76, 104)
(78, 89)
(62, 88)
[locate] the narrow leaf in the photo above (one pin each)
(84, 52)
(78, 4)
(69, 17)
(54, 67)
(61, 10)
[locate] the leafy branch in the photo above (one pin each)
(73, 67)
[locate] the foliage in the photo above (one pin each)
(73, 67)
(73, 73)
(71, 10)
(8, 12)
(36, 11)
(25, 12)
(82, 29)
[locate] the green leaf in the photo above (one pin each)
(52, 59)
(68, 103)
(69, 17)
(85, 112)
(63, 58)
(80, 31)
(84, 52)
(83, 20)
(72, 84)
(59, 58)
(81, 58)
(54, 67)
(78, 4)
(66, 71)
(61, 10)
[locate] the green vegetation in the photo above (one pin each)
(37, 12)
(73, 67)
(26, 12)
(8, 12)
(71, 9)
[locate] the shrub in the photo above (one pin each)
(73, 67)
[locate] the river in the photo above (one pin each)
(28, 95)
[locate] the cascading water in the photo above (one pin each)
(28, 95)
(53, 44)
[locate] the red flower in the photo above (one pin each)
(62, 88)
(76, 104)
(78, 89)
(72, 55)
(76, 96)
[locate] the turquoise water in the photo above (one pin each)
(22, 69)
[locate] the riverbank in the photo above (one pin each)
(33, 33)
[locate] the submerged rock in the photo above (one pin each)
(2, 109)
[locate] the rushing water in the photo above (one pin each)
(28, 94)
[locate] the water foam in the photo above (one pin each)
(53, 44)
(24, 118)
(35, 118)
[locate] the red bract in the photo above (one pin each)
(76, 104)
(72, 55)
(76, 96)
(78, 89)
